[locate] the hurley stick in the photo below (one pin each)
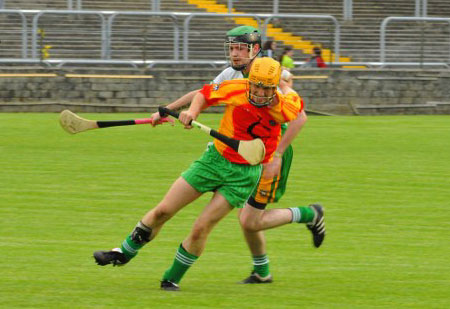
(252, 151)
(73, 123)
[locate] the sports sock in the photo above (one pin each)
(261, 265)
(302, 214)
(129, 247)
(183, 260)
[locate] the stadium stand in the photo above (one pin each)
(143, 37)
(360, 38)
(36, 5)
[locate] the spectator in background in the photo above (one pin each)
(286, 58)
(269, 49)
(316, 61)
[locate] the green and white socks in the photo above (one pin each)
(261, 265)
(302, 214)
(182, 262)
(136, 240)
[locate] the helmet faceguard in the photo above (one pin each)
(260, 95)
(263, 79)
(238, 39)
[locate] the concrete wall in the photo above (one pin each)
(328, 91)
(377, 91)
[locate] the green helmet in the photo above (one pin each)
(247, 35)
(244, 34)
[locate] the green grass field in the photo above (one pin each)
(385, 183)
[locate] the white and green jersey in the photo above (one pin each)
(227, 74)
(230, 73)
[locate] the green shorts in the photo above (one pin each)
(271, 190)
(212, 172)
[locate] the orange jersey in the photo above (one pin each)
(244, 121)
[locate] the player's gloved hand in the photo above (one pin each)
(185, 118)
(272, 169)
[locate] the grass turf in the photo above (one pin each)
(385, 183)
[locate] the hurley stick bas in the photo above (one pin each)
(73, 123)
(252, 151)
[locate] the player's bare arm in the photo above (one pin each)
(198, 102)
(272, 168)
(183, 101)
(292, 131)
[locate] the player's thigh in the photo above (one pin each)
(179, 195)
(217, 208)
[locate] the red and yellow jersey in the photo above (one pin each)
(244, 121)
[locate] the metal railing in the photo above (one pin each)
(421, 8)
(214, 15)
(172, 16)
(436, 51)
(348, 9)
(108, 20)
(275, 6)
(155, 6)
(336, 37)
(78, 5)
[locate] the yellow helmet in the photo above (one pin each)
(264, 73)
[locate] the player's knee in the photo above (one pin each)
(199, 232)
(248, 223)
(161, 214)
(251, 216)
